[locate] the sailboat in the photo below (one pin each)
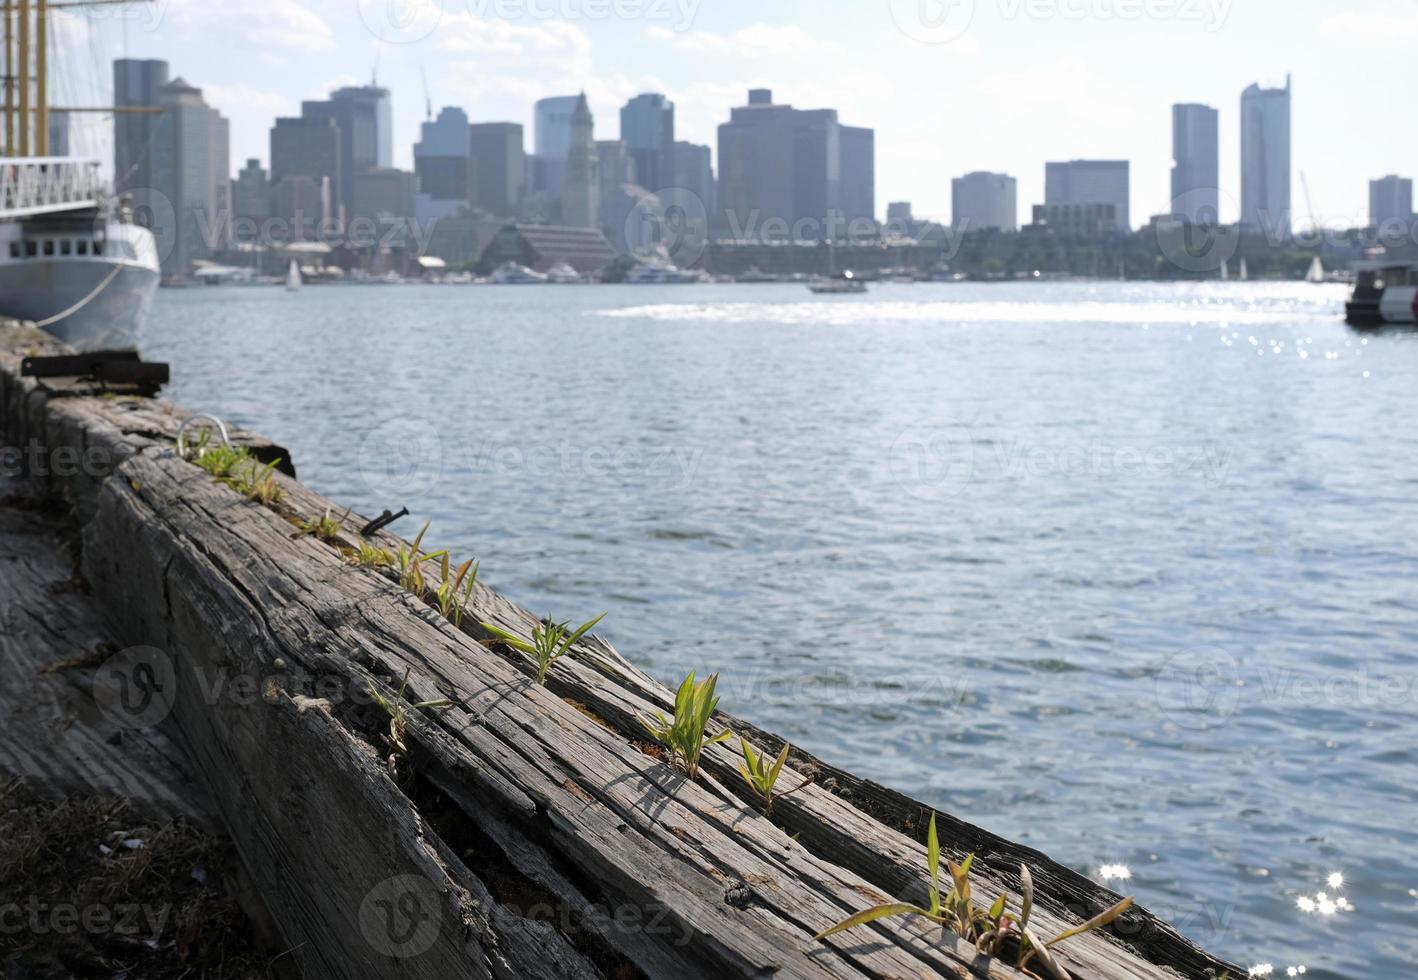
(1316, 273)
(73, 259)
(293, 281)
(1245, 273)
(1225, 272)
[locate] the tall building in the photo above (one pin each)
(135, 83)
(1196, 164)
(251, 193)
(694, 171)
(443, 161)
(551, 142)
(983, 200)
(499, 167)
(581, 186)
(1085, 182)
(385, 193)
(781, 170)
(305, 168)
(364, 118)
(858, 174)
(191, 167)
(1265, 158)
(647, 125)
(899, 213)
(617, 168)
(1390, 200)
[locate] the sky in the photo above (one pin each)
(950, 86)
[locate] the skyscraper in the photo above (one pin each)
(365, 120)
(499, 167)
(581, 186)
(191, 167)
(251, 193)
(694, 171)
(551, 142)
(858, 174)
(1390, 200)
(305, 169)
(982, 200)
(1265, 159)
(135, 83)
(1196, 164)
(781, 170)
(647, 125)
(444, 164)
(1090, 182)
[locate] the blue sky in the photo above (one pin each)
(949, 85)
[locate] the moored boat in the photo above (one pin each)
(1384, 292)
(843, 282)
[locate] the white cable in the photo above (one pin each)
(83, 302)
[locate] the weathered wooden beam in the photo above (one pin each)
(530, 831)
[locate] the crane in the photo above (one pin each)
(427, 99)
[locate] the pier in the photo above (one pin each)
(507, 829)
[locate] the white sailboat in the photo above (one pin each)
(1245, 273)
(1225, 272)
(1316, 273)
(293, 280)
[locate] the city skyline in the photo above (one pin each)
(1026, 84)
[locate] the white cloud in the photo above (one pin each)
(754, 41)
(1371, 24)
(228, 98)
(262, 24)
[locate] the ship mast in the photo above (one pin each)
(26, 78)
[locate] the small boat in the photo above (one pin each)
(293, 280)
(1225, 272)
(754, 274)
(1316, 273)
(655, 272)
(514, 274)
(1245, 273)
(1384, 292)
(843, 282)
(562, 272)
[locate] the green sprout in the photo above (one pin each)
(762, 777)
(255, 482)
(409, 562)
(455, 589)
(368, 556)
(550, 641)
(221, 461)
(988, 928)
(684, 736)
(325, 527)
(399, 720)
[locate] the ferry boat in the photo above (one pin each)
(1384, 292)
(843, 282)
(72, 259)
(515, 274)
(655, 271)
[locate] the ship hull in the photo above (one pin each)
(119, 299)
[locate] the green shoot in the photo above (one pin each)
(221, 461)
(368, 556)
(399, 722)
(455, 589)
(409, 562)
(255, 482)
(988, 928)
(762, 777)
(550, 642)
(326, 528)
(684, 736)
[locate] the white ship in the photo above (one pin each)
(71, 258)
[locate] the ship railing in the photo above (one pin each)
(42, 185)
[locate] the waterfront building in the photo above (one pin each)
(1390, 200)
(647, 126)
(540, 247)
(499, 167)
(617, 169)
(1080, 183)
(136, 83)
(364, 117)
(1265, 159)
(781, 171)
(1196, 164)
(303, 146)
(858, 173)
(190, 166)
(580, 187)
(1078, 220)
(551, 142)
(251, 193)
(983, 200)
(385, 193)
(899, 213)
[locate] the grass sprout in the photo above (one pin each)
(221, 461)
(409, 563)
(455, 588)
(550, 641)
(368, 556)
(255, 482)
(399, 720)
(325, 527)
(684, 734)
(988, 928)
(762, 777)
